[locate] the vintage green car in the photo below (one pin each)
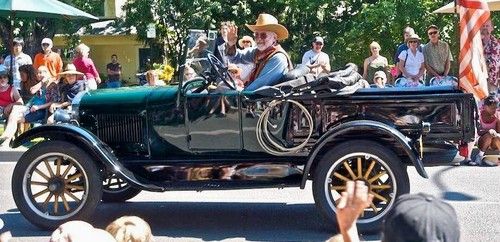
(118, 142)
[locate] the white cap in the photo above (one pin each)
(318, 39)
(47, 41)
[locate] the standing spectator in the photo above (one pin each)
(317, 60)
(28, 80)
(17, 59)
(411, 63)
(437, 55)
(9, 96)
(402, 47)
(86, 66)
(246, 42)
(220, 41)
(114, 70)
(49, 59)
(492, 56)
(374, 63)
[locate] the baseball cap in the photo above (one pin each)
(380, 74)
(47, 41)
(318, 39)
(421, 217)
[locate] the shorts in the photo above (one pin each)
(37, 116)
(113, 84)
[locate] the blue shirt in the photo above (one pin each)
(275, 68)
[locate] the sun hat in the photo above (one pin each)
(413, 37)
(421, 217)
(318, 39)
(380, 74)
(246, 38)
(267, 22)
(70, 70)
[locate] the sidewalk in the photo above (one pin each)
(12, 155)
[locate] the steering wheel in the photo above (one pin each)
(221, 71)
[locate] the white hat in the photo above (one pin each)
(380, 74)
(47, 41)
(318, 39)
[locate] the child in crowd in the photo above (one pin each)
(130, 229)
(235, 73)
(73, 83)
(489, 132)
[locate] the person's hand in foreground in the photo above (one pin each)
(350, 206)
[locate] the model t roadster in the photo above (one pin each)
(118, 142)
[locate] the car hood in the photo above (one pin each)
(128, 97)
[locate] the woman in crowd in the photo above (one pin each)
(86, 66)
(489, 132)
(153, 79)
(28, 80)
(411, 64)
(36, 108)
(246, 42)
(374, 63)
(9, 96)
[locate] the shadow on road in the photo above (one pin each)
(445, 193)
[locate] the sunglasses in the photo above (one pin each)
(412, 41)
(433, 33)
(261, 35)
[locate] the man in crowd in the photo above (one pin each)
(17, 59)
(437, 55)
(317, 60)
(48, 58)
(270, 59)
(492, 55)
(114, 70)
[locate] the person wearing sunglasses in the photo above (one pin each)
(411, 64)
(270, 59)
(246, 42)
(317, 60)
(437, 56)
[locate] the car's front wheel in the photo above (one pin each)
(54, 182)
(377, 166)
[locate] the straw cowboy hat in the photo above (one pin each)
(70, 70)
(267, 22)
(413, 37)
(246, 38)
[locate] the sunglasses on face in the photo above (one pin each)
(412, 41)
(433, 33)
(261, 35)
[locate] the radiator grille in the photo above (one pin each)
(117, 128)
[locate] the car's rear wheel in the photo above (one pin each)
(367, 161)
(115, 189)
(54, 182)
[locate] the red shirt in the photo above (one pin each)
(86, 66)
(5, 97)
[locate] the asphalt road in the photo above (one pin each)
(271, 214)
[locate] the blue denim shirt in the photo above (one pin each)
(273, 71)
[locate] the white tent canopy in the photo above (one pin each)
(494, 5)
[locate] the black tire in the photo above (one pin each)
(115, 190)
(341, 164)
(70, 178)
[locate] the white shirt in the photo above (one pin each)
(413, 62)
(21, 59)
(311, 58)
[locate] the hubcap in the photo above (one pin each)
(376, 175)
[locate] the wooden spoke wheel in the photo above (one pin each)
(115, 189)
(55, 182)
(378, 167)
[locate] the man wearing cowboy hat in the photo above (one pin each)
(411, 61)
(271, 61)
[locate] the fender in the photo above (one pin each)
(370, 125)
(88, 142)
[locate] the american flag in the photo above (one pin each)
(473, 70)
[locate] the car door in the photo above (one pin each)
(213, 121)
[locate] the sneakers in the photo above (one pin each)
(478, 159)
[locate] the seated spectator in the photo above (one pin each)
(270, 59)
(35, 110)
(489, 132)
(374, 63)
(130, 229)
(235, 73)
(152, 79)
(73, 83)
(437, 55)
(9, 96)
(189, 73)
(414, 217)
(79, 231)
(411, 64)
(379, 79)
(246, 42)
(28, 80)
